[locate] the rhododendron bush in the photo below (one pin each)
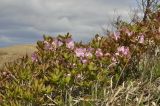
(62, 68)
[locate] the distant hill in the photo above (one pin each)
(8, 54)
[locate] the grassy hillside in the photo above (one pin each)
(8, 54)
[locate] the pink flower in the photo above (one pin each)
(141, 39)
(47, 45)
(59, 43)
(114, 60)
(80, 52)
(90, 49)
(56, 43)
(83, 53)
(99, 52)
(84, 61)
(70, 43)
(129, 33)
(88, 54)
(34, 57)
(121, 49)
(117, 54)
(124, 50)
(116, 35)
(107, 54)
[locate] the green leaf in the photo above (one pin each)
(40, 44)
(67, 79)
(66, 56)
(54, 78)
(92, 66)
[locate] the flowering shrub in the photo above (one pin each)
(62, 68)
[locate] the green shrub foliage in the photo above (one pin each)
(62, 69)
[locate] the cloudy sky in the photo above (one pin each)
(25, 21)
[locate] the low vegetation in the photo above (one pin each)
(122, 68)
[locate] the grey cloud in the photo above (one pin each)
(29, 19)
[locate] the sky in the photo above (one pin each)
(25, 21)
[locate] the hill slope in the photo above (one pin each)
(8, 54)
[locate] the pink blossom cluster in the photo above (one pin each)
(99, 52)
(57, 43)
(116, 35)
(34, 57)
(128, 32)
(47, 45)
(123, 50)
(141, 39)
(53, 45)
(84, 53)
(69, 43)
(80, 52)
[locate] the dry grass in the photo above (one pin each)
(9, 54)
(132, 93)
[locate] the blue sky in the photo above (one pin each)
(25, 21)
